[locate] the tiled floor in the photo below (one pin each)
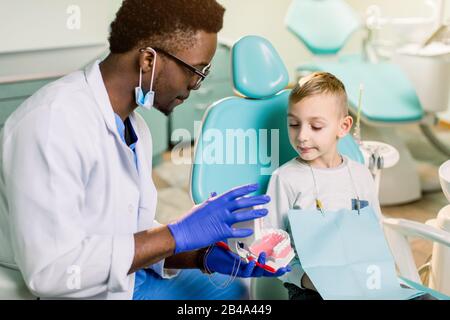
(172, 182)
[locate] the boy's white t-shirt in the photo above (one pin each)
(293, 184)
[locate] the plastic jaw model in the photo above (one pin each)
(277, 246)
(276, 243)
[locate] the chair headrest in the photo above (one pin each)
(258, 71)
(338, 21)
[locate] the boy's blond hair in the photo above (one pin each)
(320, 83)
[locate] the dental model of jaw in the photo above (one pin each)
(277, 246)
(275, 243)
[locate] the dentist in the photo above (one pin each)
(77, 200)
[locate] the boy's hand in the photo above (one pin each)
(307, 283)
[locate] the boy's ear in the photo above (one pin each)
(345, 126)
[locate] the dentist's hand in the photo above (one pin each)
(211, 221)
(220, 260)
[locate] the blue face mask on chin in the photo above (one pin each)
(146, 100)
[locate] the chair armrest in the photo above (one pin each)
(417, 229)
(397, 232)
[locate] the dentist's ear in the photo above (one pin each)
(147, 57)
(345, 126)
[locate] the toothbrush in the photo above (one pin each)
(248, 255)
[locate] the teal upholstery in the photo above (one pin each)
(237, 114)
(388, 94)
(438, 295)
(323, 26)
(257, 54)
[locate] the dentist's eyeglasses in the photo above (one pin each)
(202, 74)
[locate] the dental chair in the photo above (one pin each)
(258, 119)
(389, 98)
(438, 267)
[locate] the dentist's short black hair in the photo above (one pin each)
(167, 24)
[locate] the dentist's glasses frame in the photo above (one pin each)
(202, 74)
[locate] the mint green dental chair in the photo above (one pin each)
(243, 140)
(325, 27)
(389, 98)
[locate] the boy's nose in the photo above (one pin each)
(302, 142)
(302, 136)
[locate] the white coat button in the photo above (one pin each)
(130, 208)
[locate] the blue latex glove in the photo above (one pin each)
(211, 221)
(223, 261)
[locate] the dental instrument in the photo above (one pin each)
(357, 131)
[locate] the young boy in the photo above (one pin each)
(317, 118)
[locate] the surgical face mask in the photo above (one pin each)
(146, 101)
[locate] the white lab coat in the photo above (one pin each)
(70, 195)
